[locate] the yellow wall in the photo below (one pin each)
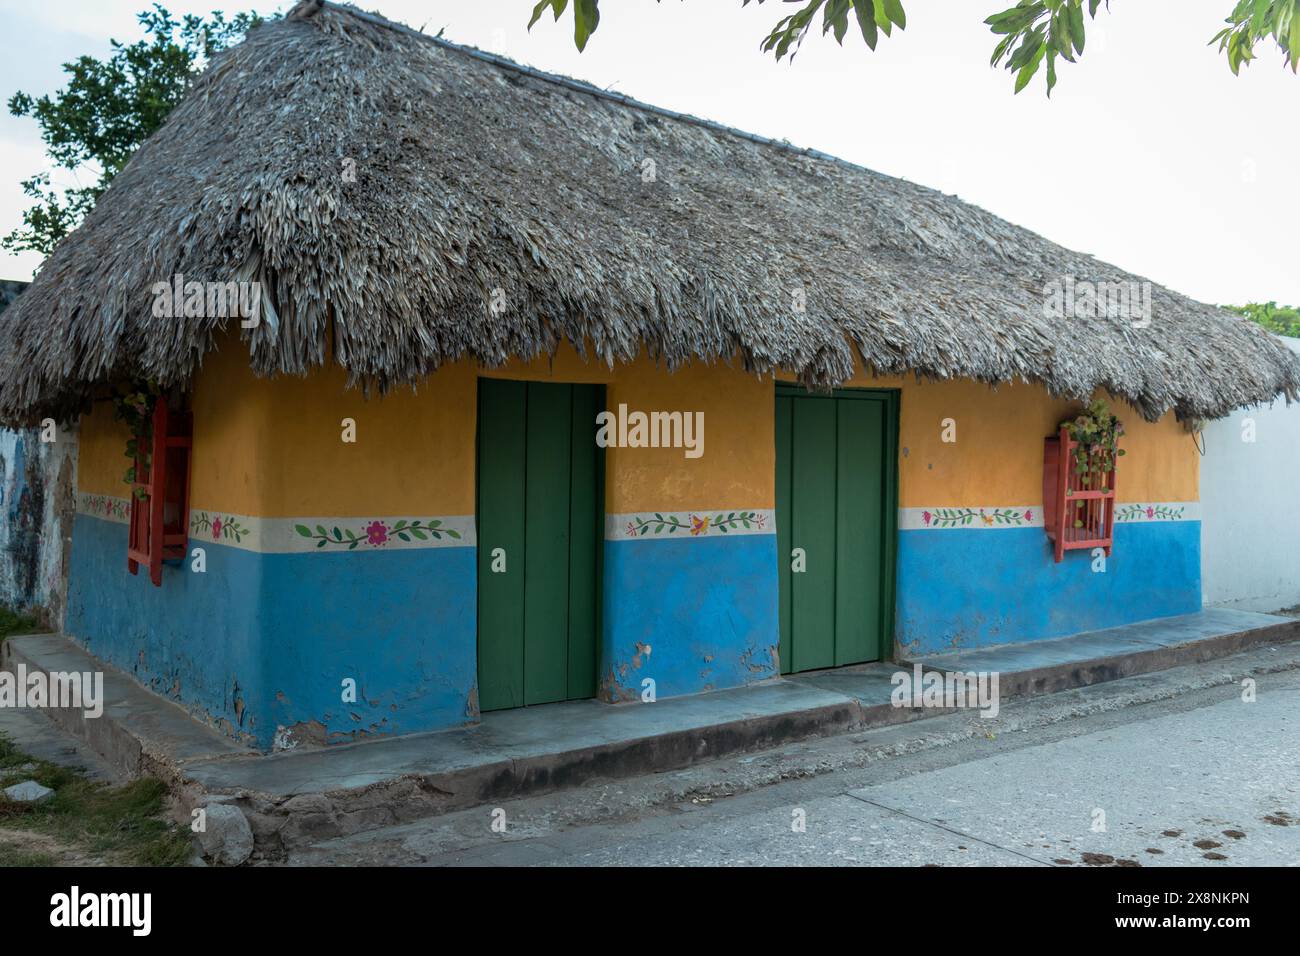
(101, 453)
(998, 455)
(272, 448)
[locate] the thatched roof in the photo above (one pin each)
(10, 289)
(473, 174)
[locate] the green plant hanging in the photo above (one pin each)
(1096, 433)
(134, 405)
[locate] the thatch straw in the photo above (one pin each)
(475, 175)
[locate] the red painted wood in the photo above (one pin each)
(1070, 497)
(160, 496)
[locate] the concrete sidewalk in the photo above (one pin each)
(1045, 667)
(305, 795)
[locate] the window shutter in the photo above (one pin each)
(160, 500)
(1078, 510)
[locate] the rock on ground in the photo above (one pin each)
(29, 791)
(226, 837)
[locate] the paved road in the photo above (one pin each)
(1202, 778)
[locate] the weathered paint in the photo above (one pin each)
(692, 615)
(195, 639)
(36, 509)
(268, 455)
(262, 641)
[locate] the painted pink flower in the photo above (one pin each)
(631, 530)
(377, 533)
(699, 525)
(1151, 512)
(1029, 515)
(760, 520)
(216, 528)
(926, 516)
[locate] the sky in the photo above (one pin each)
(1149, 155)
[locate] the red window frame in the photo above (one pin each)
(1069, 497)
(160, 495)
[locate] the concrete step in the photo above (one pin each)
(36, 735)
(306, 795)
(138, 732)
(1046, 667)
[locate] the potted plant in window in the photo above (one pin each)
(1079, 464)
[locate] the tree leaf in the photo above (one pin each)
(864, 11)
(1074, 15)
(586, 17)
(1029, 69)
(557, 5)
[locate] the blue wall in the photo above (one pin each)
(707, 607)
(264, 640)
(261, 640)
(964, 588)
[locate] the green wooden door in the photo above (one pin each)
(836, 503)
(540, 530)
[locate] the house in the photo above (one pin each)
(392, 290)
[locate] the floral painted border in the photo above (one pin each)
(218, 527)
(948, 517)
(994, 517)
(378, 533)
(987, 517)
(286, 535)
(104, 506)
(1152, 512)
(703, 522)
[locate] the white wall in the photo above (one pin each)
(37, 482)
(1250, 508)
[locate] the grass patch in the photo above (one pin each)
(11, 622)
(116, 824)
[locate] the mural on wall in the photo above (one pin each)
(36, 504)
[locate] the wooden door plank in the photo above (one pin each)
(501, 526)
(813, 484)
(546, 542)
(586, 534)
(859, 519)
